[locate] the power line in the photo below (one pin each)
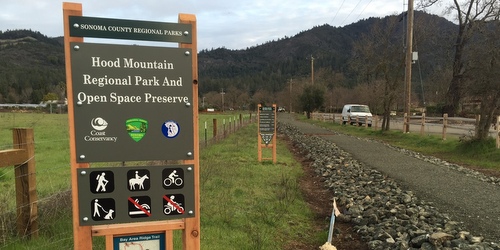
(366, 6)
(351, 12)
(342, 4)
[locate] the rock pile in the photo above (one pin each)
(383, 214)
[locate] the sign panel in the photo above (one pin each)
(135, 194)
(82, 26)
(132, 103)
(143, 242)
(267, 121)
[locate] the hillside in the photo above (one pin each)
(32, 65)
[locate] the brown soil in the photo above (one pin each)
(320, 201)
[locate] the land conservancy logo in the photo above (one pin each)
(98, 133)
(136, 128)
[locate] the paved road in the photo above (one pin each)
(464, 198)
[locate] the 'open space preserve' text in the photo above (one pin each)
(113, 97)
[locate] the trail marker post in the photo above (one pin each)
(133, 103)
(267, 131)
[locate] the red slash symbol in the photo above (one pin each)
(179, 209)
(137, 205)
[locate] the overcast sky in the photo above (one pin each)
(221, 23)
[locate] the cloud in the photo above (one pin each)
(231, 24)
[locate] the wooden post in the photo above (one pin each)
(478, 117)
(26, 197)
(405, 122)
(82, 235)
(191, 232)
(445, 125)
(376, 122)
(498, 131)
(422, 127)
(214, 129)
(366, 121)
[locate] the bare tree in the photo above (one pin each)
(482, 77)
(470, 15)
(379, 56)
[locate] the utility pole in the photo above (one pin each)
(312, 70)
(409, 49)
(222, 96)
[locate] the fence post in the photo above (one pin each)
(26, 197)
(478, 117)
(445, 124)
(366, 121)
(214, 129)
(405, 121)
(422, 127)
(224, 128)
(376, 122)
(498, 131)
(205, 133)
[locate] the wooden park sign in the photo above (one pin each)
(133, 103)
(267, 131)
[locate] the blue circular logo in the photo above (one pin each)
(170, 129)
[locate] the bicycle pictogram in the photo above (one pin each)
(173, 178)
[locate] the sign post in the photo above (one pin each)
(132, 103)
(267, 131)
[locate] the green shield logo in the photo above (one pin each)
(136, 128)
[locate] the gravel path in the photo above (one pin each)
(465, 197)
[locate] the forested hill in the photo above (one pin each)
(271, 65)
(32, 64)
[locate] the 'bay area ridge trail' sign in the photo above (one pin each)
(267, 131)
(132, 103)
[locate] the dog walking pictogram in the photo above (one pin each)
(106, 206)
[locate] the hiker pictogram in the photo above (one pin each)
(101, 182)
(138, 180)
(173, 178)
(139, 206)
(173, 204)
(103, 209)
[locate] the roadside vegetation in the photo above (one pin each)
(464, 150)
(244, 204)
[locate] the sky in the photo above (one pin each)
(220, 23)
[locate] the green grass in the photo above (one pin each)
(247, 204)
(244, 204)
(466, 152)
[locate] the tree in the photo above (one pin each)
(311, 99)
(470, 15)
(379, 60)
(481, 78)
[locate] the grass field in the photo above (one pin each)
(244, 204)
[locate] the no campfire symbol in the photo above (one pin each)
(266, 138)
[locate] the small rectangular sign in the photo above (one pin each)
(82, 26)
(135, 194)
(143, 242)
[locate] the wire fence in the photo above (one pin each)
(54, 182)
